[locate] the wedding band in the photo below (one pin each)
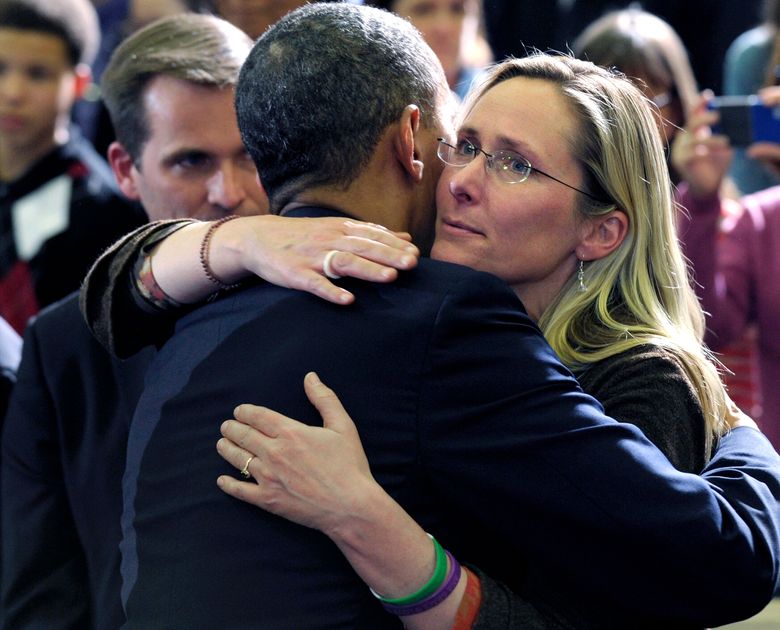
(326, 268)
(245, 470)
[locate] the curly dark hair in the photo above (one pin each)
(321, 86)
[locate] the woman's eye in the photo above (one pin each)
(518, 166)
(466, 148)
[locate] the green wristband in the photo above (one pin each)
(436, 580)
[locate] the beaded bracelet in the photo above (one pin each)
(436, 598)
(204, 253)
(435, 581)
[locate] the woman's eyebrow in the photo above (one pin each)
(468, 131)
(518, 146)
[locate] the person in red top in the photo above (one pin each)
(59, 205)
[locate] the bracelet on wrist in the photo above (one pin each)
(434, 582)
(435, 598)
(204, 253)
(468, 609)
(147, 287)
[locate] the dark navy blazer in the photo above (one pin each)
(63, 456)
(469, 420)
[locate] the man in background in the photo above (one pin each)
(169, 90)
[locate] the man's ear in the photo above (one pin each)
(603, 235)
(83, 75)
(406, 141)
(123, 166)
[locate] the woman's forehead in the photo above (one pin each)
(530, 110)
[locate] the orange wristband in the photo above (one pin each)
(470, 604)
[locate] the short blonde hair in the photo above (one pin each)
(200, 49)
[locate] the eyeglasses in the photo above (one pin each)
(511, 167)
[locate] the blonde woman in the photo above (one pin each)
(649, 52)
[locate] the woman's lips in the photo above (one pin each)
(459, 228)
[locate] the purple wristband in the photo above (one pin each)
(436, 598)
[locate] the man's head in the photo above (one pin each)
(169, 91)
(45, 51)
(322, 87)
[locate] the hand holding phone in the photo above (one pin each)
(746, 119)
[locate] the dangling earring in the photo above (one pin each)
(581, 277)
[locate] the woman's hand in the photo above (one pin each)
(735, 417)
(319, 477)
(289, 252)
(315, 476)
(701, 158)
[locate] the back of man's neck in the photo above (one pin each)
(355, 201)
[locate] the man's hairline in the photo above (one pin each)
(145, 113)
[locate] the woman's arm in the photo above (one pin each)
(290, 252)
(285, 251)
(700, 157)
(321, 479)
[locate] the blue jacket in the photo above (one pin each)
(470, 421)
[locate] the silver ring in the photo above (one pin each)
(245, 470)
(326, 265)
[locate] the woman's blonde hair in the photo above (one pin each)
(640, 293)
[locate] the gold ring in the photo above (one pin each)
(245, 470)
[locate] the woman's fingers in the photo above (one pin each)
(335, 418)
(324, 399)
(267, 421)
(246, 491)
(236, 456)
(372, 262)
(399, 255)
(377, 233)
(296, 252)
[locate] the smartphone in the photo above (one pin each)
(745, 120)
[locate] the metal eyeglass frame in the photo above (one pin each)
(498, 162)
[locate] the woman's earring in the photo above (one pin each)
(581, 277)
